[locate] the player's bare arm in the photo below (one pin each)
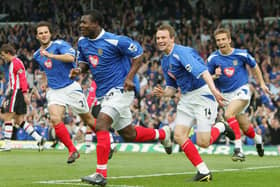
(209, 81)
(61, 57)
(135, 65)
(82, 68)
(26, 98)
(259, 76)
(218, 73)
(43, 80)
(167, 92)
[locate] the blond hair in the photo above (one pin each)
(222, 31)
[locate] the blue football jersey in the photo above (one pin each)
(57, 72)
(109, 59)
(234, 72)
(182, 68)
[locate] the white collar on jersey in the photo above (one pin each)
(99, 35)
(48, 45)
(226, 54)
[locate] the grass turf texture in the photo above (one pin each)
(28, 167)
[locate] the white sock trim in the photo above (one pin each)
(157, 134)
(238, 144)
(220, 126)
(102, 167)
(202, 168)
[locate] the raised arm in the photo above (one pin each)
(61, 57)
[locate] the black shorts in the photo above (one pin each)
(95, 110)
(14, 102)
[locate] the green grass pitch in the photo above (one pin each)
(30, 168)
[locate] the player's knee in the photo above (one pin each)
(128, 134)
(202, 142)
(55, 119)
(128, 137)
(102, 125)
(88, 119)
(179, 138)
(228, 115)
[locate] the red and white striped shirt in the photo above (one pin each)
(17, 77)
(91, 98)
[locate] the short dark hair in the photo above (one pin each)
(169, 28)
(42, 24)
(95, 16)
(8, 48)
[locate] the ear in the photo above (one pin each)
(229, 40)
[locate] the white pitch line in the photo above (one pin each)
(153, 175)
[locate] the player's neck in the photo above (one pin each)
(97, 33)
(10, 58)
(169, 49)
(44, 46)
(227, 51)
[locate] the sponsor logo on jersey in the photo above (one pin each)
(229, 71)
(188, 67)
(235, 62)
(48, 64)
(93, 59)
(132, 47)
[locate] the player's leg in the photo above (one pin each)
(7, 115)
(56, 117)
(103, 123)
(207, 133)
(132, 133)
(196, 108)
(20, 109)
(181, 137)
(8, 131)
(94, 112)
(57, 101)
(234, 108)
(142, 134)
(27, 127)
(88, 141)
(249, 131)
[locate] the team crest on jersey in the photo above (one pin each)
(100, 52)
(48, 64)
(229, 71)
(20, 71)
(235, 62)
(93, 59)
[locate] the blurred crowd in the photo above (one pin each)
(195, 22)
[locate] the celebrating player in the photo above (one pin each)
(56, 59)
(228, 66)
(183, 68)
(113, 61)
